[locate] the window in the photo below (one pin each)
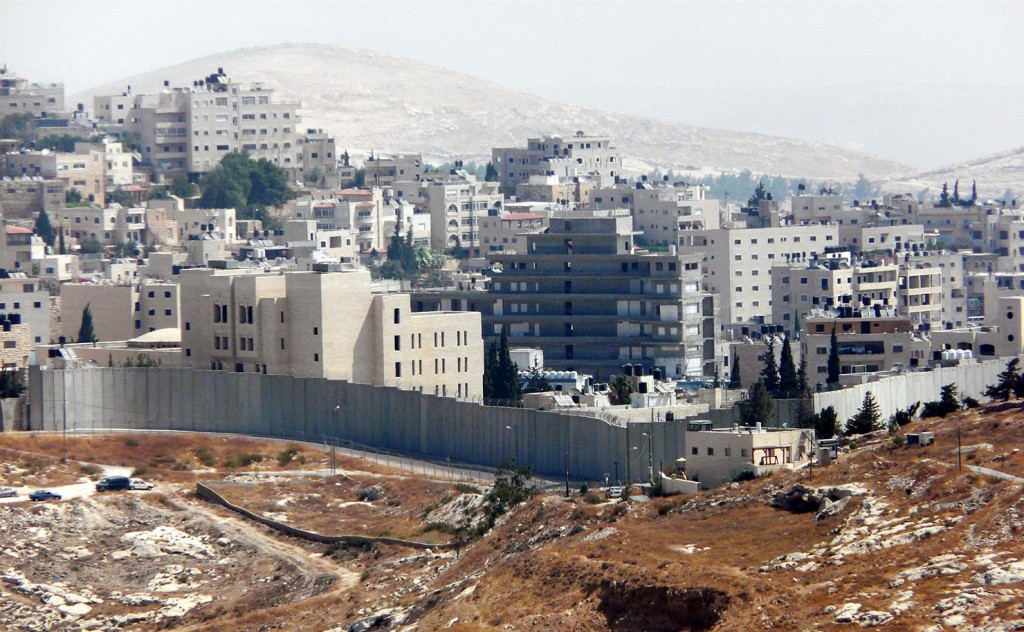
(693, 450)
(316, 331)
(398, 343)
(728, 452)
(316, 357)
(398, 316)
(711, 451)
(398, 369)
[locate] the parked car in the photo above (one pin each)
(138, 483)
(614, 492)
(111, 483)
(8, 492)
(44, 494)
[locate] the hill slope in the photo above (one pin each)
(371, 100)
(995, 174)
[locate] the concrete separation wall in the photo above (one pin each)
(900, 391)
(208, 494)
(320, 410)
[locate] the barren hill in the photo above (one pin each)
(996, 175)
(372, 100)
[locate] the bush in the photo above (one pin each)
(663, 510)
(89, 469)
(466, 488)
(179, 466)
(584, 488)
(370, 494)
(139, 471)
(204, 456)
(243, 460)
(131, 443)
(970, 402)
(286, 456)
(898, 441)
(592, 498)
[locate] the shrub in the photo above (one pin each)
(592, 498)
(179, 466)
(204, 456)
(370, 494)
(970, 402)
(139, 471)
(243, 460)
(584, 488)
(467, 488)
(89, 469)
(947, 404)
(131, 443)
(286, 456)
(898, 440)
(663, 510)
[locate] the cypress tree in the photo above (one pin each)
(758, 406)
(801, 376)
(788, 383)
(734, 373)
(85, 332)
(956, 192)
(944, 197)
(833, 358)
(770, 372)
(44, 229)
(974, 192)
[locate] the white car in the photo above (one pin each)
(138, 483)
(614, 492)
(8, 492)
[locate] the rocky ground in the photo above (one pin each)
(886, 536)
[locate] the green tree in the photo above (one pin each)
(536, 383)
(10, 383)
(72, 196)
(944, 196)
(313, 176)
(44, 229)
(760, 193)
(788, 382)
(490, 369)
(948, 403)
(867, 418)
(734, 373)
(956, 193)
(501, 374)
(1008, 382)
(901, 418)
(491, 175)
(127, 249)
(130, 141)
(833, 358)
(801, 376)
(85, 331)
(247, 185)
(620, 390)
(863, 190)
(63, 142)
(758, 406)
(181, 187)
(825, 423)
(91, 246)
(62, 249)
(770, 372)
(974, 192)
(120, 196)
(16, 127)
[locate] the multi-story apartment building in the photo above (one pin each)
(564, 157)
(664, 213)
(318, 153)
(368, 215)
(19, 96)
(113, 224)
(385, 171)
(455, 203)
(188, 130)
(567, 192)
(119, 172)
(36, 308)
(869, 342)
(24, 197)
(738, 263)
(120, 311)
(83, 170)
(20, 248)
(327, 323)
(591, 301)
(506, 232)
(168, 222)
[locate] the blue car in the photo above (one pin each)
(43, 494)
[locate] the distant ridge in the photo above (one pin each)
(995, 174)
(375, 101)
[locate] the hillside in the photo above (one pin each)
(375, 101)
(995, 174)
(886, 535)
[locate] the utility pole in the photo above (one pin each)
(567, 473)
(959, 454)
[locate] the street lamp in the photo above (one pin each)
(334, 441)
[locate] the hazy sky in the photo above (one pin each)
(927, 83)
